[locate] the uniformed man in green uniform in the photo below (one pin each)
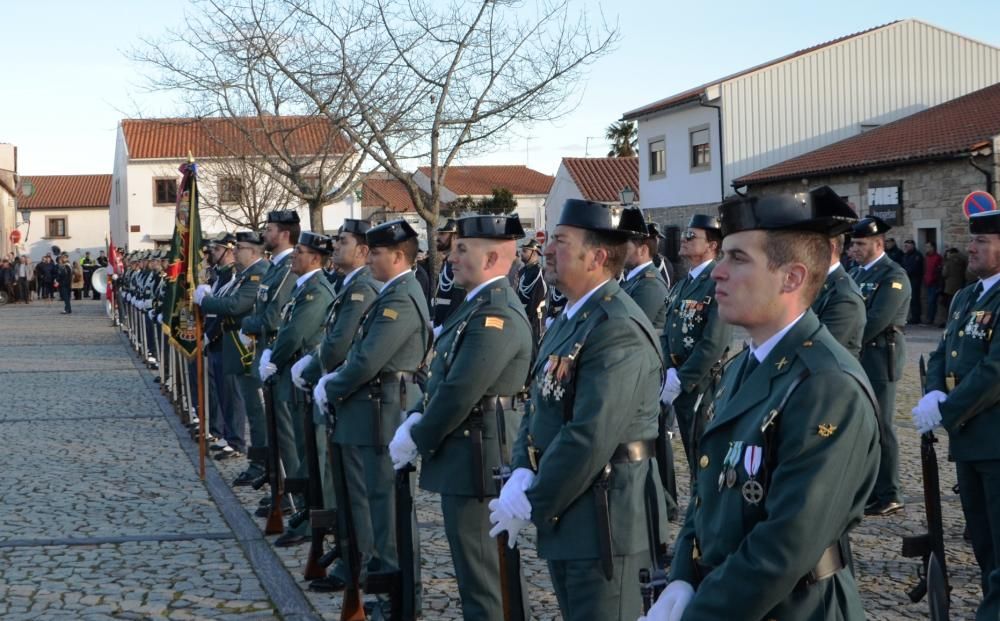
(480, 364)
(584, 450)
(840, 306)
(531, 288)
(365, 391)
(237, 359)
(260, 326)
(694, 338)
(964, 397)
(886, 290)
(356, 295)
(301, 331)
(785, 465)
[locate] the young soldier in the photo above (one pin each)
(787, 461)
(840, 306)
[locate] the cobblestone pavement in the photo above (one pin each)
(104, 515)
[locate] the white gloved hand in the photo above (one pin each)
(927, 414)
(319, 392)
(297, 370)
(402, 448)
(671, 387)
(266, 368)
(246, 340)
(512, 497)
(503, 521)
(671, 603)
(200, 292)
(159, 318)
(149, 314)
(148, 304)
(205, 341)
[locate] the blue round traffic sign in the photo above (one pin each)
(978, 202)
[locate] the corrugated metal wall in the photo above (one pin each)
(800, 105)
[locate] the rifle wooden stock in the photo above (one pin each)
(275, 523)
(511, 595)
(314, 492)
(352, 609)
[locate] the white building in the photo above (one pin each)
(149, 152)
(692, 145)
(68, 211)
(8, 195)
(599, 179)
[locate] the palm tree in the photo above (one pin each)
(623, 139)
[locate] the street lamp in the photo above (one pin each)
(627, 196)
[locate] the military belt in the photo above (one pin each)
(628, 453)
(830, 562)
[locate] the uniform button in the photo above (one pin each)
(429, 374)
(466, 433)
(954, 354)
(961, 332)
(703, 462)
(673, 325)
(554, 520)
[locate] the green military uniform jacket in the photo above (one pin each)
(825, 452)
(231, 309)
(350, 305)
(484, 348)
(393, 338)
(649, 291)
(301, 328)
(694, 337)
(966, 365)
(273, 293)
(841, 308)
(582, 409)
(886, 290)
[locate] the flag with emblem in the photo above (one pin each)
(183, 263)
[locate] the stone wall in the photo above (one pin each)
(680, 215)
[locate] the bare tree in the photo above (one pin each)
(405, 81)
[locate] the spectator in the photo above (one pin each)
(64, 280)
(45, 276)
(23, 274)
(953, 275)
(102, 259)
(893, 250)
(88, 265)
(932, 279)
(77, 281)
(913, 263)
(7, 279)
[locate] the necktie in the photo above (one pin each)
(749, 365)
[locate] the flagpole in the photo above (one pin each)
(202, 414)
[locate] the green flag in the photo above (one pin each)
(179, 320)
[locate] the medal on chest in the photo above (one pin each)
(753, 491)
(727, 477)
(976, 327)
(557, 374)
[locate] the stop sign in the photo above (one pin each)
(15, 236)
(540, 237)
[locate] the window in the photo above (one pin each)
(165, 191)
(657, 158)
(310, 184)
(701, 150)
(55, 226)
(230, 190)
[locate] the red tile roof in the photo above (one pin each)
(380, 190)
(482, 180)
(695, 93)
(943, 131)
(602, 178)
(67, 192)
(221, 137)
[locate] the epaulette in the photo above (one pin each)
(613, 306)
(817, 356)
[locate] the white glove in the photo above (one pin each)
(671, 603)
(205, 341)
(503, 521)
(159, 318)
(319, 392)
(548, 322)
(246, 340)
(266, 368)
(200, 292)
(927, 414)
(402, 448)
(671, 387)
(297, 370)
(147, 304)
(150, 314)
(512, 498)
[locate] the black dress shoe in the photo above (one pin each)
(265, 510)
(882, 509)
(330, 584)
(244, 479)
(290, 539)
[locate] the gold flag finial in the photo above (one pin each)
(190, 156)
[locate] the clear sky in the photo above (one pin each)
(67, 82)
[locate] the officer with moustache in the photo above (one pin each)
(787, 462)
(583, 452)
(963, 397)
(481, 360)
(531, 288)
(886, 290)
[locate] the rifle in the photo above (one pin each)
(314, 497)
(275, 523)
(931, 543)
(351, 608)
(400, 584)
(510, 559)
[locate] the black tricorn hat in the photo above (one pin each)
(226, 239)
(390, 233)
(985, 222)
(450, 226)
(531, 244)
(869, 227)
(286, 216)
(591, 216)
(703, 221)
(633, 223)
(357, 227)
(654, 231)
(316, 242)
(820, 211)
(490, 227)
(249, 237)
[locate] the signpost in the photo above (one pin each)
(978, 202)
(15, 237)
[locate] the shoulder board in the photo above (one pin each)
(390, 314)
(357, 297)
(254, 277)
(816, 355)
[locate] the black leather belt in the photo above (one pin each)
(631, 452)
(830, 562)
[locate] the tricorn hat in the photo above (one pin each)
(704, 221)
(870, 226)
(592, 216)
(490, 227)
(285, 216)
(985, 222)
(633, 223)
(532, 244)
(357, 227)
(316, 242)
(390, 233)
(249, 237)
(226, 239)
(450, 226)
(820, 211)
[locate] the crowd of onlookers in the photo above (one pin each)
(23, 280)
